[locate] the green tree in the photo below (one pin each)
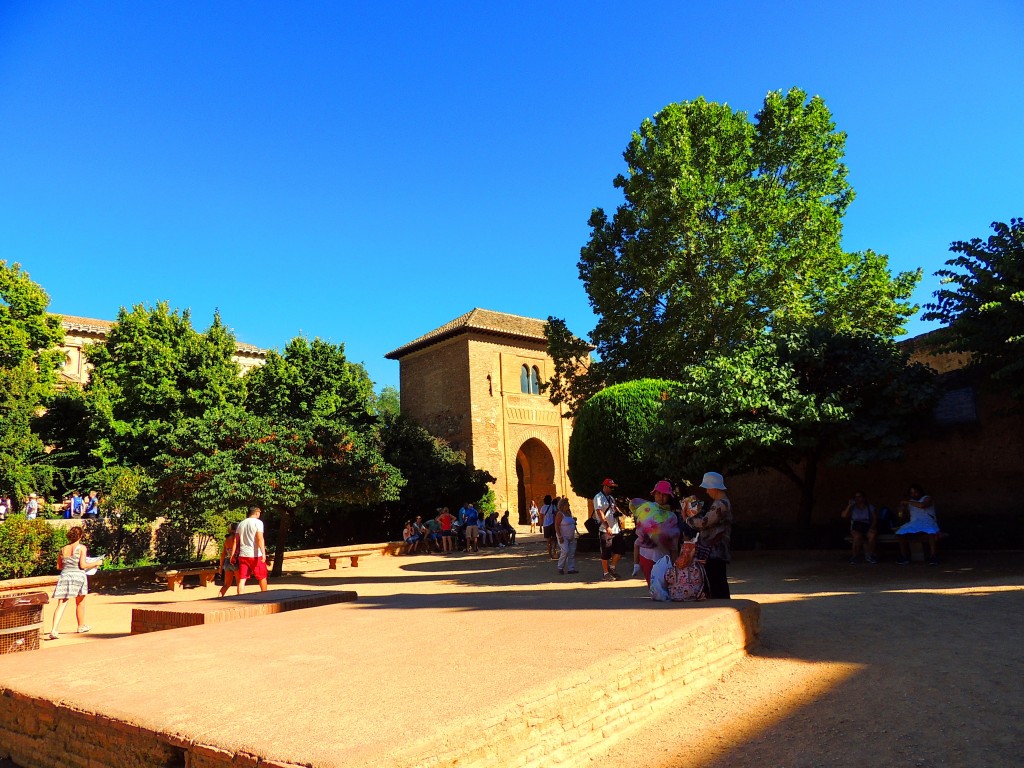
(983, 307)
(436, 475)
(729, 227)
(790, 403)
(325, 406)
(29, 362)
(154, 371)
(612, 437)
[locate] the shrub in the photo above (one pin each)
(611, 437)
(29, 547)
(119, 541)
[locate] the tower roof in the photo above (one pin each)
(482, 320)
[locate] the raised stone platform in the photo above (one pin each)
(517, 678)
(217, 610)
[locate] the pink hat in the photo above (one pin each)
(663, 486)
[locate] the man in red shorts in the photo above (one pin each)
(249, 550)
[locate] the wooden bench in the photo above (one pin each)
(176, 577)
(916, 543)
(334, 557)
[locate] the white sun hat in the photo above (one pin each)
(713, 480)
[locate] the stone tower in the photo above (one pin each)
(475, 382)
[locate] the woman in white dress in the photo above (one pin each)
(923, 521)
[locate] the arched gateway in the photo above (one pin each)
(476, 382)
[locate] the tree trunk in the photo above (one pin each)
(284, 526)
(803, 520)
(806, 485)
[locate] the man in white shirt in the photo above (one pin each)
(609, 532)
(249, 550)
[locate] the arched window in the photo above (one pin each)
(524, 380)
(535, 381)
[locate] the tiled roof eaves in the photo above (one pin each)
(480, 320)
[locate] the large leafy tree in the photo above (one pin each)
(29, 362)
(729, 227)
(981, 302)
(324, 404)
(791, 402)
(154, 371)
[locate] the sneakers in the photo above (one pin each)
(614, 573)
(561, 572)
(853, 561)
(84, 628)
(573, 571)
(902, 561)
(933, 561)
(871, 559)
(608, 576)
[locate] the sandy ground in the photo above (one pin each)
(862, 665)
(878, 665)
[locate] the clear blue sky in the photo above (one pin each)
(367, 172)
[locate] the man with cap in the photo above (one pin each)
(715, 528)
(609, 532)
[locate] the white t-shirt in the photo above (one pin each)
(247, 530)
(606, 505)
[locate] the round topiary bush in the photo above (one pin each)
(611, 437)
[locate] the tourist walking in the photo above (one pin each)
(249, 551)
(923, 520)
(565, 532)
(548, 511)
(228, 569)
(73, 561)
(534, 517)
(863, 519)
(715, 527)
(609, 532)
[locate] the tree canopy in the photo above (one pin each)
(792, 402)
(29, 362)
(729, 228)
(983, 305)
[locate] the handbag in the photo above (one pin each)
(592, 525)
(686, 584)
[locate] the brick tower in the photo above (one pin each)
(475, 382)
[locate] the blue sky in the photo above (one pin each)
(367, 172)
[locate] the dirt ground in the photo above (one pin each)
(878, 665)
(862, 665)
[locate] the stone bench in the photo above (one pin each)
(217, 610)
(334, 557)
(175, 578)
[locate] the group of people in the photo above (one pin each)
(663, 525)
(244, 554)
(466, 531)
(75, 506)
(866, 520)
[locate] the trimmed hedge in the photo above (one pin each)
(29, 547)
(611, 438)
